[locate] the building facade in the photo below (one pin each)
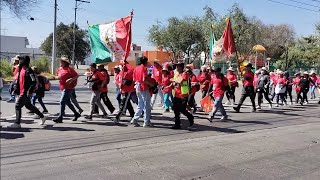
(15, 45)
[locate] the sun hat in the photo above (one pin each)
(230, 69)
(116, 67)
(165, 68)
(65, 59)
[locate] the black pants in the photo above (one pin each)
(204, 93)
(192, 101)
(125, 104)
(247, 91)
(261, 93)
(25, 101)
(282, 97)
(305, 95)
(289, 93)
(299, 97)
(104, 97)
(179, 106)
(230, 94)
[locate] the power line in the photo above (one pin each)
(307, 9)
(305, 3)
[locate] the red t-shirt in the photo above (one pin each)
(178, 94)
(219, 86)
(314, 79)
(15, 69)
(99, 77)
(139, 75)
(255, 80)
(318, 81)
(166, 84)
(248, 78)
(232, 79)
(117, 79)
(21, 79)
(193, 79)
(128, 75)
(105, 88)
(66, 73)
(281, 80)
(204, 79)
(157, 75)
(171, 74)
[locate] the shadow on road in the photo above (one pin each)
(11, 135)
(51, 127)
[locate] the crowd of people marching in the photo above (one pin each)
(174, 83)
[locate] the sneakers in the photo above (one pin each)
(236, 109)
(270, 106)
(76, 116)
(258, 107)
(80, 111)
(43, 120)
(277, 105)
(14, 126)
(135, 123)
(224, 118)
(115, 120)
(227, 103)
(147, 125)
(210, 118)
(89, 117)
(45, 112)
(58, 120)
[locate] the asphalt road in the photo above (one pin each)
(279, 143)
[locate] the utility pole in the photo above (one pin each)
(74, 29)
(54, 39)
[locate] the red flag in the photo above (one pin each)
(123, 34)
(228, 41)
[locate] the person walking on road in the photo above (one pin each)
(204, 79)
(167, 89)
(97, 79)
(313, 86)
(180, 100)
(26, 84)
(233, 82)
(219, 86)
(142, 84)
(67, 77)
(281, 88)
(194, 87)
(104, 88)
(40, 91)
(305, 85)
(118, 84)
(248, 89)
(127, 88)
(157, 75)
(263, 83)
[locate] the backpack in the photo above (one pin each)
(47, 84)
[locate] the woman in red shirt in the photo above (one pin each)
(313, 77)
(193, 86)
(232, 78)
(296, 82)
(167, 89)
(281, 88)
(204, 80)
(219, 85)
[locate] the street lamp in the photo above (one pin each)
(74, 29)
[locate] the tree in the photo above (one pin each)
(19, 7)
(65, 42)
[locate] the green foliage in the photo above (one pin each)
(65, 42)
(42, 64)
(6, 68)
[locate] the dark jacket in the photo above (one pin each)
(30, 82)
(41, 86)
(263, 81)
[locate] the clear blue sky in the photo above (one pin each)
(147, 12)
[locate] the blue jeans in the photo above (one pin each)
(218, 106)
(35, 97)
(167, 98)
(65, 100)
(312, 92)
(144, 105)
(118, 96)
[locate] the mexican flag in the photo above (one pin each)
(112, 41)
